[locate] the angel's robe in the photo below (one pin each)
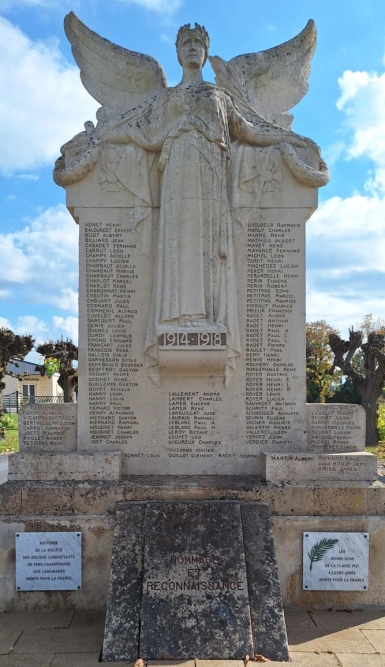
(194, 274)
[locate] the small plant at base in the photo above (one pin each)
(6, 421)
(381, 423)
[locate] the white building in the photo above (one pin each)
(30, 387)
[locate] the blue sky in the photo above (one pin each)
(43, 104)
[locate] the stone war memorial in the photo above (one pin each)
(202, 493)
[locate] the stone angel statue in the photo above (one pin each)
(183, 139)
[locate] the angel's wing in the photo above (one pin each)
(117, 78)
(270, 82)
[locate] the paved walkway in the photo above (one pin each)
(74, 639)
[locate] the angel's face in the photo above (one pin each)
(191, 51)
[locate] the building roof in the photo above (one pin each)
(22, 367)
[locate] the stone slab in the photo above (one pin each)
(78, 640)
(331, 621)
(36, 620)
(310, 467)
(195, 596)
(8, 638)
(104, 466)
(335, 427)
(25, 661)
(48, 427)
(266, 608)
(121, 635)
(310, 640)
(298, 618)
(376, 638)
(78, 660)
(351, 660)
(312, 660)
(216, 663)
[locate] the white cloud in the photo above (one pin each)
(30, 324)
(44, 102)
(345, 237)
(363, 102)
(160, 6)
(40, 262)
(346, 269)
(68, 300)
(341, 312)
(43, 331)
(67, 326)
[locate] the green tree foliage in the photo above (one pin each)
(320, 384)
(346, 392)
(59, 357)
(12, 347)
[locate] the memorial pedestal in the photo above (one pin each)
(302, 467)
(194, 580)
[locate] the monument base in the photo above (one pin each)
(90, 508)
(72, 466)
(302, 467)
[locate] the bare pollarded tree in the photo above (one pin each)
(364, 363)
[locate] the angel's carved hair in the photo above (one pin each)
(200, 32)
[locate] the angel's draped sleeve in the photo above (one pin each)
(262, 133)
(145, 125)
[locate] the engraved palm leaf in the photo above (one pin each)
(319, 550)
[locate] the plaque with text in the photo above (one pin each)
(195, 595)
(48, 561)
(335, 561)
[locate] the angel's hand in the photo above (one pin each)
(103, 132)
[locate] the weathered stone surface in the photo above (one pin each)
(312, 639)
(183, 266)
(195, 596)
(121, 635)
(204, 564)
(38, 641)
(97, 497)
(341, 501)
(309, 467)
(97, 534)
(65, 466)
(288, 540)
(335, 427)
(48, 427)
(266, 608)
(375, 499)
(10, 499)
(288, 529)
(47, 499)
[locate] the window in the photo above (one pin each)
(29, 392)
